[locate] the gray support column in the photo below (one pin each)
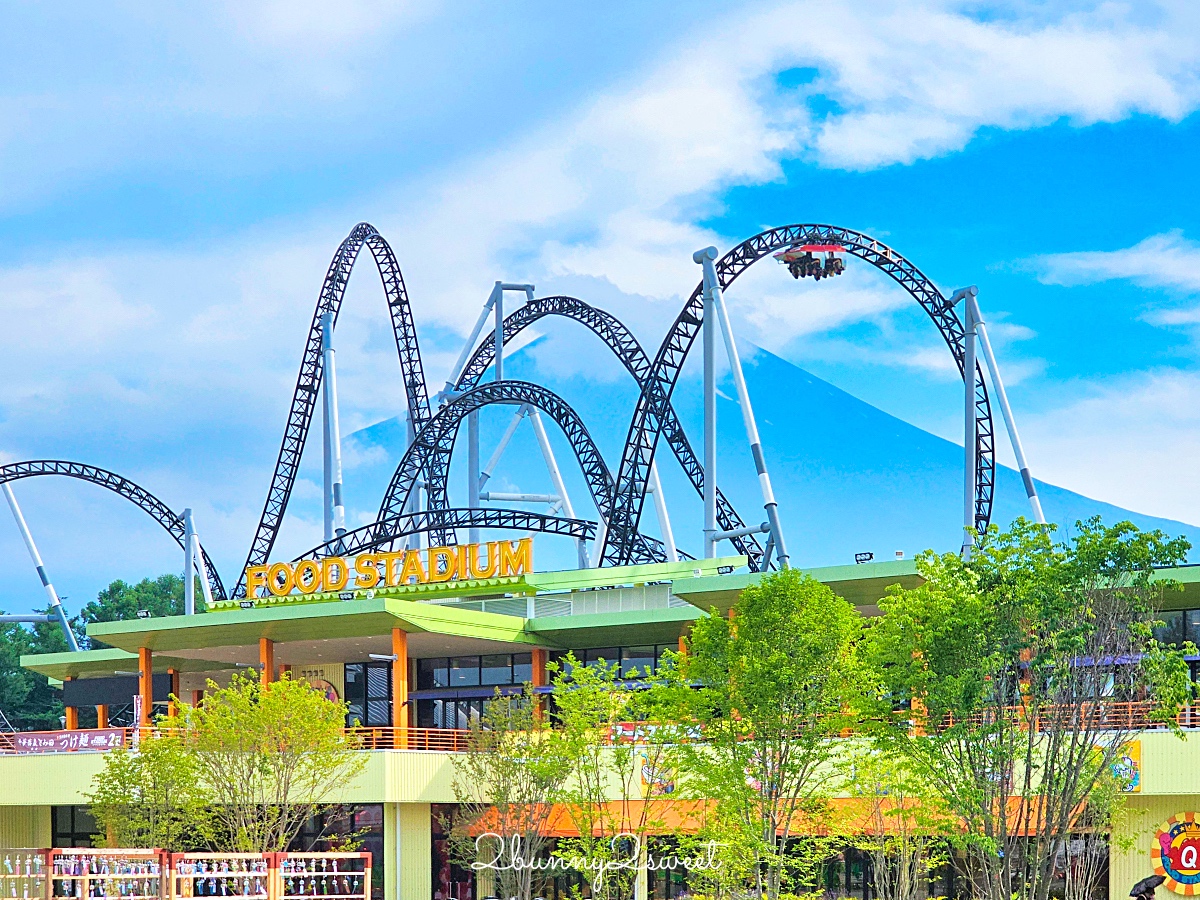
(494, 459)
(654, 486)
(1010, 423)
(556, 479)
(473, 470)
(335, 517)
(56, 607)
(498, 336)
(969, 434)
(705, 258)
(739, 379)
(189, 565)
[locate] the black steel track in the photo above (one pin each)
(123, 487)
(375, 535)
(654, 404)
(629, 351)
(429, 455)
(308, 383)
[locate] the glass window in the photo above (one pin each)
(433, 673)
(464, 671)
(496, 669)
(637, 661)
(1191, 620)
(522, 667)
(1171, 629)
(607, 655)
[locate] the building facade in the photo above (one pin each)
(417, 662)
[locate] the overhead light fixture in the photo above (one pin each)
(383, 657)
(123, 672)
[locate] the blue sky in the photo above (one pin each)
(173, 181)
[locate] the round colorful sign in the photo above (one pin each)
(1176, 854)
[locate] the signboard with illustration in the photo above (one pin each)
(61, 741)
(1128, 767)
(1176, 854)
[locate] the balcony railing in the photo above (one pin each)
(1116, 716)
(445, 740)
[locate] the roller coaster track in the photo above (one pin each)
(376, 534)
(123, 487)
(626, 348)
(308, 383)
(430, 453)
(654, 405)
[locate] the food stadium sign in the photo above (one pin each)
(495, 559)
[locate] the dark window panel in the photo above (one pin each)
(464, 671)
(637, 661)
(522, 667)
(608, 655)
(495, 669)
(1171, 629)
(379, 681)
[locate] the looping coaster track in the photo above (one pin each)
(620, 500)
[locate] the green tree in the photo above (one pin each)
(269, 756)
(622, 745)
(777, 681)
(162, 596)
(152, 796)
(506, 784)
(26, 698)
(1009, 682)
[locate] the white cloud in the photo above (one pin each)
(150, 353)
(1166, 260)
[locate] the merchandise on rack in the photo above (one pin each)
(324, 876)
(108, 874)
(23, 874)
(220, 875)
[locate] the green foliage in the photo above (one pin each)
(623, 749)
(1001, 682)
(777, 681)
(151, 797)
(506, 784)
(269, 757)
(26, 698)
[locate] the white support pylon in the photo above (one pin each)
(1010, 422)
(654, 487)
(713, 291)
(56, 606)
(335, 510)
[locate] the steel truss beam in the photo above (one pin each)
(308, 383)
(123, 487)
(653, 408)
(429, 455)
(629, 351)
(375, 535)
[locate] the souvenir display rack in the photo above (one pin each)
(220, 874)
(23, 874)
(108, 874)
(323, 876)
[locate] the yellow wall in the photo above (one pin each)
(412, 861)
(24, 826)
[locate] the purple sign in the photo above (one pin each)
(63, 741)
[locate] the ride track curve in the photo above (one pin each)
(654, 404)
(629, 351)
(171, 522)
(431, 449)
(308, 382)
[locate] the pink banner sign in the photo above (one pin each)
(63, 741)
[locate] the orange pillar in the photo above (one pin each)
(197, 696)
(72, 714)
(266, 657)
(102, 715)
(540, 677)
(173, 674)
(146, 683)
(400, 686)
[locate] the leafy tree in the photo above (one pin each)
(622, 745)
(26, 698)
(152, 796)
(904, 826)
(269, 757)
(1009, 682)
(506, 784)
(777, 681)
(162, 596)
